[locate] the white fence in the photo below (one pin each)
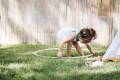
(37, 21)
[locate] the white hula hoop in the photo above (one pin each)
(40, 51)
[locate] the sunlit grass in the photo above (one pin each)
(18, 63)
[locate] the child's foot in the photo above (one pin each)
(59, 54)
(81, 54)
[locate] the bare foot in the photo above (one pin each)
(59, 54)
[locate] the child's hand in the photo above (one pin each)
(59, 54)
(94, 54)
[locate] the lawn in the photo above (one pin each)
(17, 62)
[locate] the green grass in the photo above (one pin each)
(18, 63)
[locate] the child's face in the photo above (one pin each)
(85, 36)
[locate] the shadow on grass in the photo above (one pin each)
(98, 76)
(33, 75)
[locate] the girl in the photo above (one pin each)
(72, 36)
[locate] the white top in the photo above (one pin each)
(65, 32)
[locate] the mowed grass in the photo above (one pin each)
(18, 63)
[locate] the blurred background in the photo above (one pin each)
(37, 21)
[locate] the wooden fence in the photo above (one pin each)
(37, 21)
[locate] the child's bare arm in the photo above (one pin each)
(89, 48)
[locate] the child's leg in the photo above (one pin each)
(69, 47)
(59, 54)
(78, 48)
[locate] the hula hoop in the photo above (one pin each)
(40, 51)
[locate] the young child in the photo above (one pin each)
(72, 36)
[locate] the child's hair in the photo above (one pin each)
(93, 33)
(86, 35)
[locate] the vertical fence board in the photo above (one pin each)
(37, 21)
